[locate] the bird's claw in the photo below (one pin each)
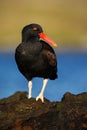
(29, 97)
(40, 97)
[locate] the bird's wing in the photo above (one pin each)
(48, 54)
(50, 57)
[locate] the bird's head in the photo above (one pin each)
(35, 30)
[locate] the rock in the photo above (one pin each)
(19, 113)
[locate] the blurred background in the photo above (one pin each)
(65, 22)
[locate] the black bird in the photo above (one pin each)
(35, 57)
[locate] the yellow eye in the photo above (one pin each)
(35, 28)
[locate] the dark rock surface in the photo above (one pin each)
(19, 113)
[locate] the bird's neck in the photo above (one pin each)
(34, 39)
(30, 39)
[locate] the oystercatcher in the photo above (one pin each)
(36, 58)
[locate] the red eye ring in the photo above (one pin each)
(35, 28)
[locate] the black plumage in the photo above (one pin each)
(35, 57)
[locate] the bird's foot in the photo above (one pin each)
(29, 96)
(40, 96)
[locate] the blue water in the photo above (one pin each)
(72, 76)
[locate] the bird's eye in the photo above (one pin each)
(35, 28)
